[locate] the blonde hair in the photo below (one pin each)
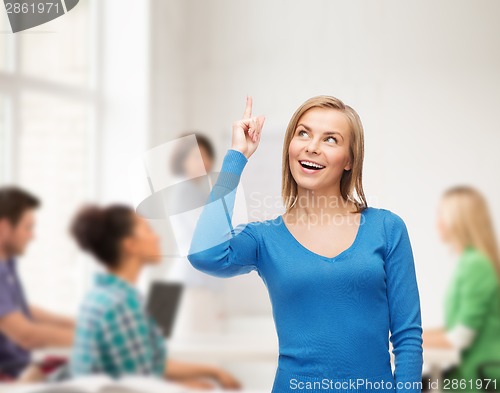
(467, 218)
(351, 180)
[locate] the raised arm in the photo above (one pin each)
(217, 248)
(404, 307)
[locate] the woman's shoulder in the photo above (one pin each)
(385, 216)
(390, 224)
(473, 259)
(99, 302)
(477, 269)
(388, 218)
(385, 219)
(259, 227)
(474, 254)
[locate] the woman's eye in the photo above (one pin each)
(302, 133)
(331, 139)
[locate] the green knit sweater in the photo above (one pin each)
(473, 300)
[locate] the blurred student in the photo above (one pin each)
(190, 164)
(202, 305)
(23, 327)
(114, 334)
(187, 162)
(472, 303)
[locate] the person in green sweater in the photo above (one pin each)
(472, 300)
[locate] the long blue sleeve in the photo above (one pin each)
(404, 307)
(217, 248)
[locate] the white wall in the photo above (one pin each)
(424, 77)
(125, 94)
(122, 86)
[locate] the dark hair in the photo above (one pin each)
(100, 231)
(184, 148)
(14, 201)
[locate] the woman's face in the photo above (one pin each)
(192, 164)
(441, 225)
(319, 150)
(144, 242)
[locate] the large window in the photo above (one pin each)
(3, 41)
(48, 116)
(4, 141)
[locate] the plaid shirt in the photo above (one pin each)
(114, 335)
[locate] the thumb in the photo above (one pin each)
(261, 120)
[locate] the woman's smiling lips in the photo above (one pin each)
(310, 167)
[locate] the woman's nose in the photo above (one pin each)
(313, 146)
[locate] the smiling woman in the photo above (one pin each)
(327, 132)
(306, 141)
(340, 273)
(318, 182)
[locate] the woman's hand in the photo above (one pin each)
(190, 374)
(226, 380)
(246, 132)
(198, 384)
(436, 338)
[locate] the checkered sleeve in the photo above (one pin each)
(85, 356)
(125, 340)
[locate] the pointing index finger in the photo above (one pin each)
(248, 109)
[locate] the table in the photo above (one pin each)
(237, 347)
(225, 347)
(436, 360)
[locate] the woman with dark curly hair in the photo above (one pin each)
(114, 334)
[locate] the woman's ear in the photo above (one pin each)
(347, 167)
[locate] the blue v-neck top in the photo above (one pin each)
(334, 316)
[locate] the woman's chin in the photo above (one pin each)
(154, 260)
(308, 184)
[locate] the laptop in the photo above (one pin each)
(163, 304)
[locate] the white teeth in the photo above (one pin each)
(313, 164)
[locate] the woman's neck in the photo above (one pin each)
(458, 249)
(128, 270)
(317, 203)
(5, 253)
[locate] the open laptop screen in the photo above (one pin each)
(163, 303)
